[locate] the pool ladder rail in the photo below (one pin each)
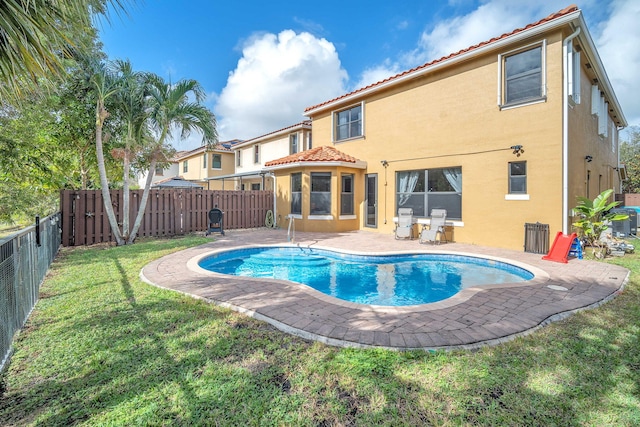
(291, 230)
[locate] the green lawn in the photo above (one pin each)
(104, 348)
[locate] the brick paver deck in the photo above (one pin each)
(472, 318)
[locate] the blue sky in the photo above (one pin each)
(263, 62)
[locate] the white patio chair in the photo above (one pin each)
(404, 228)
(436, 227)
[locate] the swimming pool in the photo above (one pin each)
(386, 280)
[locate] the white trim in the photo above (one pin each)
(347, 217)
(516, 197)
(320, 217)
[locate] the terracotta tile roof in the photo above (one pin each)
(551, 17)
(318, 154)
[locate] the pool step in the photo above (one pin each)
(275, 258)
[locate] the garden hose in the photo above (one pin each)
(268, 220)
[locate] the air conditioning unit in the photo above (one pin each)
(627, 227)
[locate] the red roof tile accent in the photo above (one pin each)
(318, 154)
(549, 18)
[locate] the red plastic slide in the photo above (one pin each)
(561, 246)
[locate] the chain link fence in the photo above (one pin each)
(25, 258)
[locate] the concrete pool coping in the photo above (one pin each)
(473, 318)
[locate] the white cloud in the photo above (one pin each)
(377, 73)
(491, 19)
(617, 42)
(277, 77)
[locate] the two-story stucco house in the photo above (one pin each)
(252, 154)
(506, 132)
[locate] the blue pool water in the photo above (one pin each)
(390, 280)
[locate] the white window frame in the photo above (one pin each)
(543, 80)
(519, 195)
(204, 160)
(239, 158)
(334, 123)
(294, 143)
(256, 153)
(185, 166)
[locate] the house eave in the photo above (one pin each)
(498, 44)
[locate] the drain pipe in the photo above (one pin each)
(565, 130)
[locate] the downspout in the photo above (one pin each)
(565, 130)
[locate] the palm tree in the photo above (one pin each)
(170, 108)
(130, 99)
(105, 85)
(36, 35)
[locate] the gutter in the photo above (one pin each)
(565, 131)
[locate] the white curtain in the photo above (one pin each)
(454, 176)
(408, 182)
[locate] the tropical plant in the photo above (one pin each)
(37, 35)
(149, 109)
(173, 107)
(595, 217)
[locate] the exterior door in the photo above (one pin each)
(371, 204)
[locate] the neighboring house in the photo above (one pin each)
(507, 132)
(251, 155)
(200, 164)
(162, 173)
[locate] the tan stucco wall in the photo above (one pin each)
(197, 172)
(451, 118)
(306, 221)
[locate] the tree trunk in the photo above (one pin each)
(143, 201)
(101, 116)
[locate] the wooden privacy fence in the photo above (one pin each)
(169, 212)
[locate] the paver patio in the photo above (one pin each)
(474, 317)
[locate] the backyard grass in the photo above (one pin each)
(104, 348)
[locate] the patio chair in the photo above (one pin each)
(404, 228)
(438, 218)
(215, 222)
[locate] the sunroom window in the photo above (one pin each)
(320, 193)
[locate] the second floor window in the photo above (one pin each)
(185, 166)
(523, 76)
(256, 153)
(293, 143)
(159, 171)
(204, 160)
(348, 123)
(216, 161)
(238, 158)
